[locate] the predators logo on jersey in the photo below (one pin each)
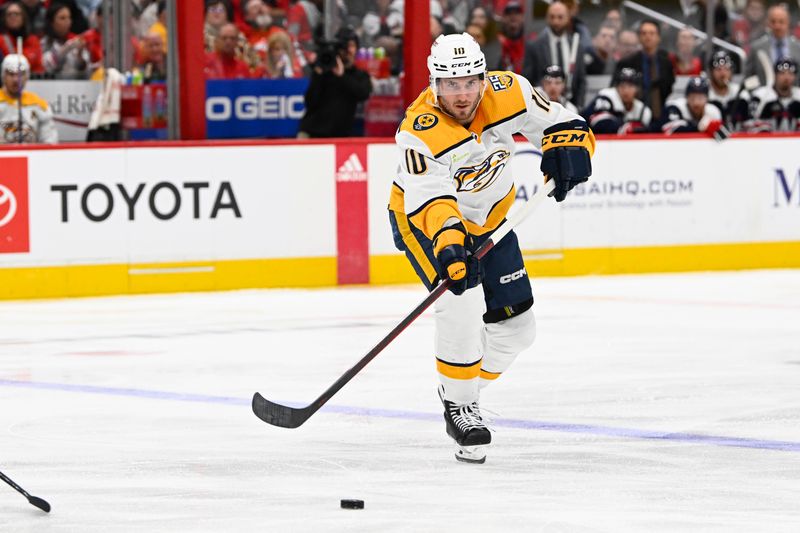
(501, 82)
(11, 133)
(425, 122)
(482, 175)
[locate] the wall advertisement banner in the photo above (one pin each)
(254, 108)
(644, 194)
(72, 103)
(124, 206)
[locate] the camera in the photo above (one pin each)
(327, 51)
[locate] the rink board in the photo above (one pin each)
(111, 219)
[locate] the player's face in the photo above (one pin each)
(554, 87)
(627, 93)
(13, 82)
(784, 79)
(459, 97)
(721, 76)
(649, 37)
(696, 102)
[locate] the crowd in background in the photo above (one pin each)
(277, 39)
(567, 43)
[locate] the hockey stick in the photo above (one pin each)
(292, 417)
(33, 500)
(20, 137)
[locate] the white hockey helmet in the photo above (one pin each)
(15, 63)
(455, 56)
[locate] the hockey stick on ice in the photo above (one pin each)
(33, 500)
(292, 417)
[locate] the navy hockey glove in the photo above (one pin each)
(567, 150)
(455, 260)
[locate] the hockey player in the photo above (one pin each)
(693, 113)
(554, 85)
(453, 188)
(732, 99)
(777, 108)
(616, 109)
(34, 122)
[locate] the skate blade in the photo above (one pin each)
(471, 454)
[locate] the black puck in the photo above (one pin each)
(352, 504)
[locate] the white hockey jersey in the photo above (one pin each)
(772, 112)
(734, 105)
(446, 167)
(607, 110)
(37, 120)
(679, 119)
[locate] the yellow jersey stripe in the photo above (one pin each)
(458, 371)
(415, 247)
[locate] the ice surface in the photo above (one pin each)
(648, 403)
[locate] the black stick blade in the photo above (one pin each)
(278, 415)
(40, 503)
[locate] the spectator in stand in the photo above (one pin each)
(684, 61)
(257, 27)
(383, 25)
(160, 25)
(478, 16)
(512, 37)
(554, 85)
(94, 43)
(153, 64)
(487, 37)
(627, 44)
(64, 54)
(436, 28)
(731, 98)
(303, 20)
(336, 87)
(454, 13)
(775, 45)
(577, 25)
(777, 108)
(144, 15)
(613, 18)
(751, 25)
(281, 61)
(600, 58)
(223, 64)
(616, 109)
(557, 45)
(36, 15)
(218, 13)
(693, 113)
(16, 25)
(79, 21)
(654, 65)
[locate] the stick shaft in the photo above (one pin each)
(284, 416)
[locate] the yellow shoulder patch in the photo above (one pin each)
(437, 130)
(29, 98)
(503, 100)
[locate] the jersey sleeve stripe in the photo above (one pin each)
(415, 248)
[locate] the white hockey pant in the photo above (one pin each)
(471, 354)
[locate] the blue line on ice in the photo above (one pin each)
(587, 429)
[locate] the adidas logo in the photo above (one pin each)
(351, 170)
